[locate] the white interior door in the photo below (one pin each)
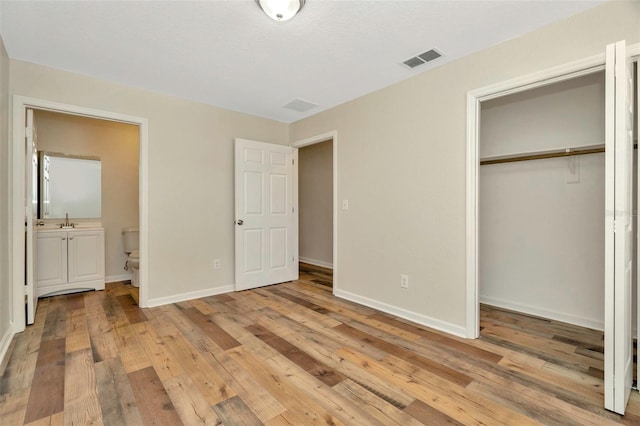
(31, 215)
(618, 352)
(264, 224)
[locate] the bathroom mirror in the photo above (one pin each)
(69, 184)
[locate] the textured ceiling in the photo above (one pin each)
(230, 54)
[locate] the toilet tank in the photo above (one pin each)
(130, 239)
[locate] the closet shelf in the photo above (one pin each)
(595, 149)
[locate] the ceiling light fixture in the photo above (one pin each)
(281, 10)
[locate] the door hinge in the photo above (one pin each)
(293, 161)
(614, 226)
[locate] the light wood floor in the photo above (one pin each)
(293, 354)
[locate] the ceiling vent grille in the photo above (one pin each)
(300, 105)
(422, 58)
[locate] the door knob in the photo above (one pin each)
(240, 222)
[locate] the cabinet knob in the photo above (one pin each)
(71, 238)
(64, 238)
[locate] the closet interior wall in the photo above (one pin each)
(541, 222)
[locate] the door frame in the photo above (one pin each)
(324, 137)
(546, 77)
(17, 185)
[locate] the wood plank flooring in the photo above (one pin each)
(292, 354)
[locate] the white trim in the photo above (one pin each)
(5, 343)
(16, 189)
(190, 296)
(544, 313)
(333, 135)
(315, 262)
(436, 324)
(117, 278)
(474, 97)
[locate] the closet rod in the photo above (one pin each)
(539, 156)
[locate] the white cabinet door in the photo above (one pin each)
(86, 255)
(52, 258)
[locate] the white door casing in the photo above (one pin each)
(31, 215)
(618, 229)
(265, 252)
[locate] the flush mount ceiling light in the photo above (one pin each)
(281, 10)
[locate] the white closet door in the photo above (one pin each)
(618, 229)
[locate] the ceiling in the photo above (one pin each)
(230, 54)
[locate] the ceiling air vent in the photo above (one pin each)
(422, 58)
(300, 105)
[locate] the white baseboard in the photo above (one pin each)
(5, 342)
(116, 278)
(315, 262)
(189, 296)
(544, 313)
(403, 313)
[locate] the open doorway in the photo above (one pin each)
(21, 105)
(315, 193)
(116, 145)
(315, 212)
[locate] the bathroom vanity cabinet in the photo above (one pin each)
(69, 260)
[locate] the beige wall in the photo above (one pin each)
(6, 300)
(402, 166)
(315, 195)
(116, 144)
(190, 159)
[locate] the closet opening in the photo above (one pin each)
(541, 235)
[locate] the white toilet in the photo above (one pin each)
(130, 241)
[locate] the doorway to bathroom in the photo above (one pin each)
(52, 115)
(116, 144)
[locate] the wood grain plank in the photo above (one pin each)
(13, 406)
(53, 420)
(420, 361)
(154, 405)
(454, 402)
(205, 378)
(319, 370)
(265, 406)
(47, 390)
(164, 363)
(428, 415)
(235, 411)
(189, 403)
(81, 404)
(286, 393)
(131, 352)
(131, 309)
(209, 327)
(115, 394)
(55, 325)
(77, 330)
(435, 338)
(377, 407)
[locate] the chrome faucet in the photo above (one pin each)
(66, 223)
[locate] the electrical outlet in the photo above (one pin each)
(404, 281)
(217, 264)
(345, 204)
